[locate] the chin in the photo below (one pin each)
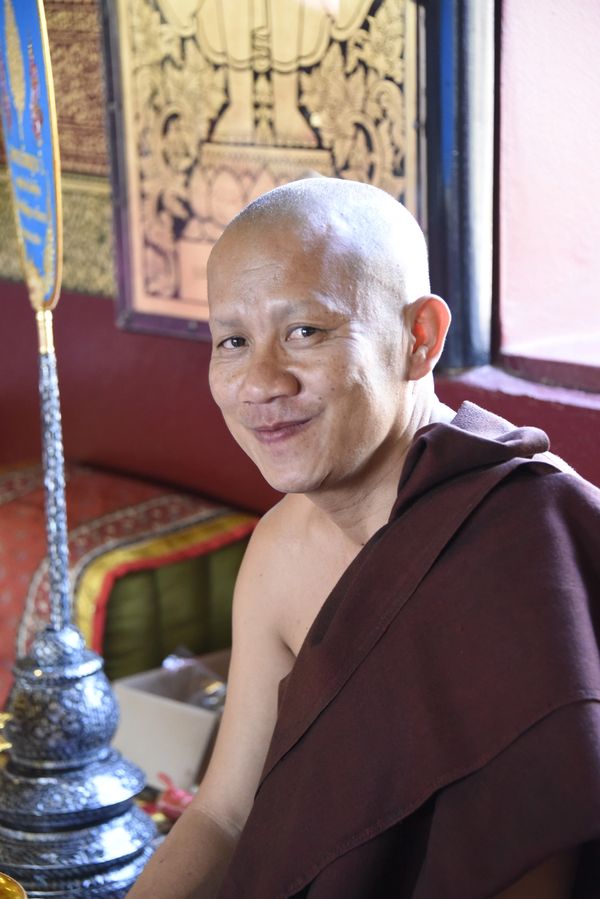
(288, 485)
(285, 482)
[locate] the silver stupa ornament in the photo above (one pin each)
(69, 827)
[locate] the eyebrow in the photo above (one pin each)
(227, 322)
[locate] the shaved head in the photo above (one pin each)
(381, 241)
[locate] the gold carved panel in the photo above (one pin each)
(220, 100)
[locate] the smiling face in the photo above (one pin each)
(309, 354)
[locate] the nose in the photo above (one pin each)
(267, 377)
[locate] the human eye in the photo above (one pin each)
(232, 343)
(302, 332)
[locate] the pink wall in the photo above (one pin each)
(550, 179)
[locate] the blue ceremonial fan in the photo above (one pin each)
(31, 138)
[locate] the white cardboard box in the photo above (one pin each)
(160, 732)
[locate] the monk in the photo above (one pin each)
(413, 696)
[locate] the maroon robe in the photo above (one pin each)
(439, 734)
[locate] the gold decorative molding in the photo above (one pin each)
(88, 239)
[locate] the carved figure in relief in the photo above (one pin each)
(256, 36)
(234, 97)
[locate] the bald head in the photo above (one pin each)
(381, 242)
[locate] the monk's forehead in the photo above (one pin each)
(314, 237)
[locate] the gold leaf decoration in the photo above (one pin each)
(35, 284)
(16, 68)
(49, 254)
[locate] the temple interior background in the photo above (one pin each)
(160, 500)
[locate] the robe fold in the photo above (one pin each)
(439, 734)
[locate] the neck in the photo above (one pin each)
(358, 509)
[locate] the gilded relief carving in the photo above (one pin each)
(269, 39)
(225, 99)
(355, 101)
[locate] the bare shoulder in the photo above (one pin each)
(282, 521)
(293, 561)
(278, 541)
(268, 570)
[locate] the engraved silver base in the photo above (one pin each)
(68, 825)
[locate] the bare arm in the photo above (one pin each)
(190, 863)
(193, 859)
(553, 879)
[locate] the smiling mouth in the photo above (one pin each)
(281, 430)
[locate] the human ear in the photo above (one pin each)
(428, 320)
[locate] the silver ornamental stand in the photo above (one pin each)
(68, 823)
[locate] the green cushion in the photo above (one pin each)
(187, 604)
